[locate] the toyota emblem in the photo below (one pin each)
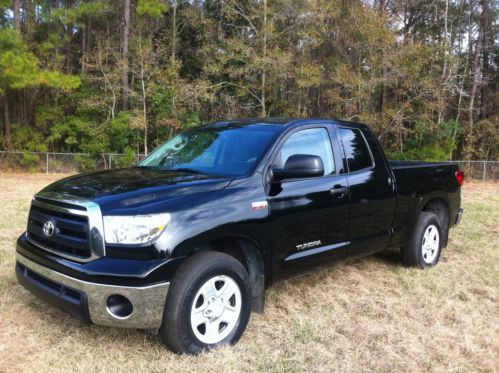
(48, 228)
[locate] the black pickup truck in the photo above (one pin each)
(186, 242)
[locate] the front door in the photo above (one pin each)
(308, 217)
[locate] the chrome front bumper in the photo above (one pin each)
(148, 301)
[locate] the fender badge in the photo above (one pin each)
(260, 205)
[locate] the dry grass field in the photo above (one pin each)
(366, 315)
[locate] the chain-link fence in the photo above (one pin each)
(80, 162)
(480, 170)
(63, 162)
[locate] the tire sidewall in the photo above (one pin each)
(430, 219)
(184, 319)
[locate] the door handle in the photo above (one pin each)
(340, 192)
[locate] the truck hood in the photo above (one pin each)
(132, 188)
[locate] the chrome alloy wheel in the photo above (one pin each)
(216, 309)
(430, 244)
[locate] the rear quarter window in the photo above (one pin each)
(356, 149)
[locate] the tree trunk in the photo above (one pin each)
(459, 105)
(444, 71)
(144, 95)
(475, 68)
(17, 15)
(383, 94)
(301, 77)
(69, 37)
(126, 39)
(7, 121)
(69, 59)
(264, 57)
(144, 112)
(174, 30)
(487, 42)
(85, 47)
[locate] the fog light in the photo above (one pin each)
(119, 306)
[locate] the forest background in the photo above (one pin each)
(122, 76)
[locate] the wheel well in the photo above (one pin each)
(440, 208)
(246, 252)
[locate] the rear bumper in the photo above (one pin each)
(88, 301)
(459, 215)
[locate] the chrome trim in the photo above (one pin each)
(148, 301)
(316, 250)
(95, 223)
(49, 206)
(75, 258)
(119, 317)
(459, 216)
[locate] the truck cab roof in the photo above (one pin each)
(282, 122)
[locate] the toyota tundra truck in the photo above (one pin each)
(186, 242)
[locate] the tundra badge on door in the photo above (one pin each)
(308, 245)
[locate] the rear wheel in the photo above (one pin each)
(208, 304)
(430, 244)
(424, 246)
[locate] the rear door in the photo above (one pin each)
(372, 196)
(309, 217)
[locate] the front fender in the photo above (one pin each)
(228, 213)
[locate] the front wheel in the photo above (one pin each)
(424, 246)
(208, 304)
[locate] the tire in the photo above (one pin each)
(196, 316)
(424, 245)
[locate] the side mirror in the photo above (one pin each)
(299, 166)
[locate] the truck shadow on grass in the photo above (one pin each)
(48, 319)
(390, 256)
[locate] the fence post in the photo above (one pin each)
(484, 170)
(47, 167)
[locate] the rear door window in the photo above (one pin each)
(356, 150)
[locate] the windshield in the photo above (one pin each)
(233, 151)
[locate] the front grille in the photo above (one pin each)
(71, 236)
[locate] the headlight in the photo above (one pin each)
(138, 229)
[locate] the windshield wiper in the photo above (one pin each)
(185, 169)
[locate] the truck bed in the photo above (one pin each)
(425, 177)
(417, 183)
